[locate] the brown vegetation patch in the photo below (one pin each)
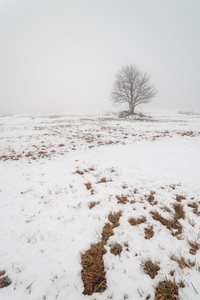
(116, 249)
(194, 247)
(149, 233)
(93, 273)
(182, 262)
(179, 198)
(171, 224)
(107, 232)
(4, 281)
(166, 290)
(134, 221)
(150, 268)
(114, 218)
(79, 172)
(103, 180)
(2, 273)
(88, 185)
(195, 207)
(122, 199)
(92, 204)
(179, 211)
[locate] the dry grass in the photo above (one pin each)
(79, 172)
(182, 262)
(107, 232)
(150, 268)
(103, 180)
(134, 221)
(122, 199)
(195, 207)
(4, 281)
(179, 211)
(166, 290)
(149, 233)
(88, 185)
(171, 224)
(194, 247)
(114, 218)
(179, 198)
(116, 249)
(93, 273)
(92, 204)
(151, 197)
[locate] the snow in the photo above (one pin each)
(45, 220)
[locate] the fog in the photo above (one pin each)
(61, 56)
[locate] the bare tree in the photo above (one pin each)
(132, 86)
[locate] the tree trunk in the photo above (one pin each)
(131, 108)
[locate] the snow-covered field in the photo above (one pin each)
(45, 219)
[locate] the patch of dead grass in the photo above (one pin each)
(88, 185)
(182, 262)
(149, 233)
(171, 224)
(122, 199)
(179, 198)
(195, 207)
(194, 247)
(179, 211)
(166, 290)
(93, 271)
(92, 204)
(116, 249)
(114, 218)
(150, 268)
(134, 221)
(4, 281)
(107, 232)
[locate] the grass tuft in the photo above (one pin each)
(182, 262)
(150, 268)
(194, 247)
(166, 290)
(114, 218)
(179, 211)
(149, 233)
(107, 232)
(134, 221)
(116, 249)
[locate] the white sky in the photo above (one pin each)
(59, 56)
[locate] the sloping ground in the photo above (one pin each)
(81, 192)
